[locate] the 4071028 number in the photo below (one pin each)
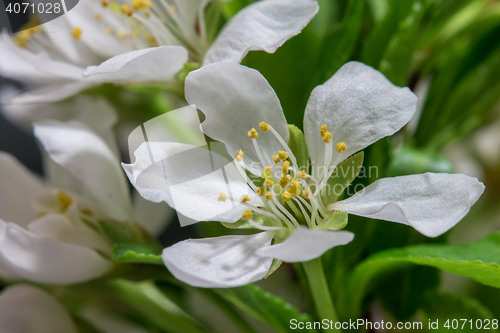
(479, 324)
(40, 8)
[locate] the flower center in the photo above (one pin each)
(139, 24)
(290, 196)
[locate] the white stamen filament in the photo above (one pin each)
(263, 227)
(283, 209)
(302, 209)
(286, 148)
(281, 216)
(262, 160)
(262, 212)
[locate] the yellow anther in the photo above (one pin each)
(295, 183)
(135, 32)
(323, 130)
(341, 147)
(276, 159)
(222, 197)
(147, 14)
(284, 167)
(284, 181)
(269, 196)
(306, 194)
(261, 191)
(136, 4)
(151, 40)
(239, 155)
(105, 3)
(265, 127)
(294, 191)
(268, 183)
(98, 16)
(141, 4)
(86, 211)
(282, 155)
(126, 10)
(77, 32)
(245, 198)
(302, 175)
(267, 172)
(64, 199)
(173, 8)
(286, 196)
(247, 215)
(122, 34)
(253, 133)
(22, 38)
(109, 30)
(326, 137)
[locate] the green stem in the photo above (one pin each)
(320, 291)
(231, 312)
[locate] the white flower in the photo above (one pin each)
(355, 108)
(24, 308)
(51, 59)
(50, 233)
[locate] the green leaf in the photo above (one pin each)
(397, 59)
(375, 46)
(290, 71)
(263, 306)
(118, 232)
(150, 302)
(339, 45)
(379, 9)
(274, 266)
(411, 161)
(336, 222)
(443, 307)
(137, 254)
(297, 144)
(463, 92)
(479, 260)
(403, 292)
(342, 177)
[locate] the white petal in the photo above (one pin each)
(24, 308)
(359, 106)
(305, 244)
(183, 176)
(97, 113)
(72, 50)
(44, 260)
(34, 68)
(50, 93)
(88, 158)
(146, 65)
(236, 99)
(221, 262)
(93, 33)
(61, 228)
(265, 25)
(431, 203)
(18, 190)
